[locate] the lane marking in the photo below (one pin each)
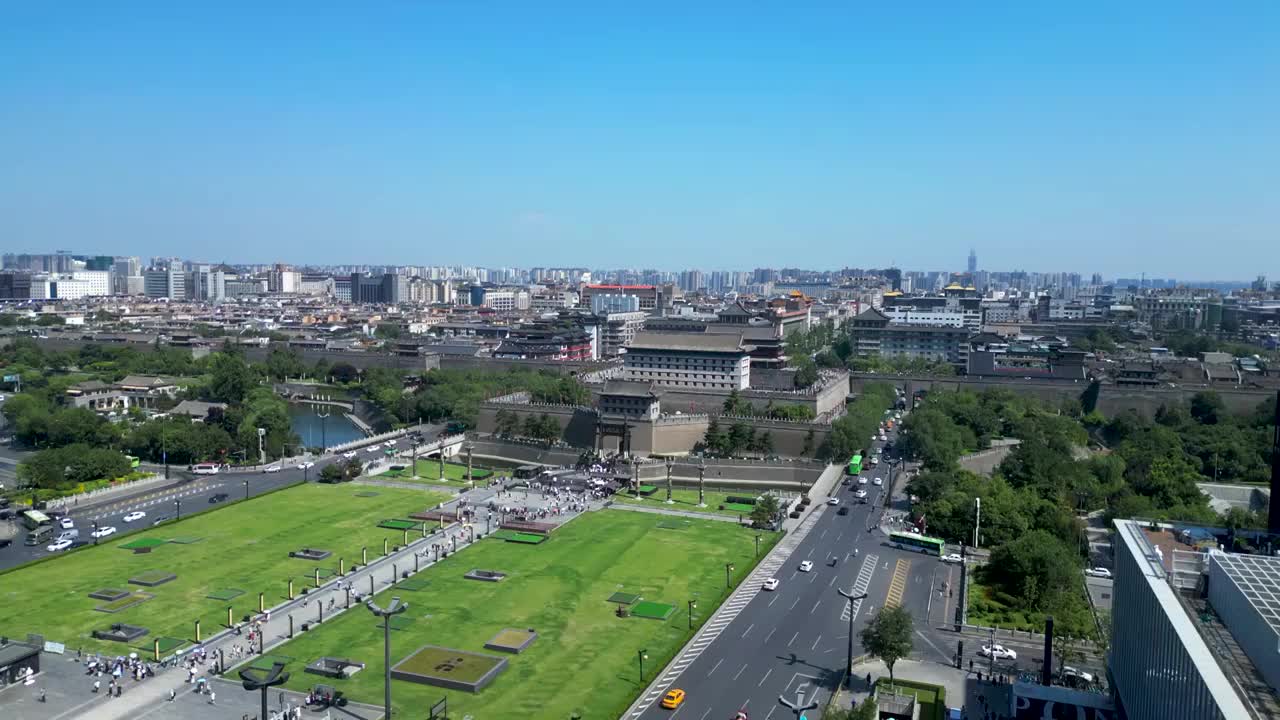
(766, 677)
(735, 675)
(717, 665)
(748, 630)
(815, 643)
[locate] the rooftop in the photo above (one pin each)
(689, 342)
(628, 388)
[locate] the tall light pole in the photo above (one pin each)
(470, 481)
(262, 453)
(641, 655)
(635, 476)
(670, 463)
(395, 608)
(268, 679)
(799, 707)
(178, 513)
(728, 570)
(702, 483)
(848, 667)
(977, 519)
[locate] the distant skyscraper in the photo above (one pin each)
(973, 261)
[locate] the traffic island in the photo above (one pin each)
(486, 575)
(449, 668)
(121, 632)
(310, 554)
(511, 640)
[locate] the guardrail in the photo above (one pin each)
(94, 495)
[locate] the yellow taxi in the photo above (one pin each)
(673, 698)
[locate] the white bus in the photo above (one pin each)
(206, 469)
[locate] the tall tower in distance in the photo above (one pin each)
(973, 261)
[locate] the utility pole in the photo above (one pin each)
(977, 519)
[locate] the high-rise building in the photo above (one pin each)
(207, 284)
(171, 284)
(973, 261)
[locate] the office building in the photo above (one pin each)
(500, 299)
(284, 279)
(385, 289)
(607, 303)
(170, 284)
(617, 330)
(651, 297)
(207, 284)
(716, 361)
(123, 272)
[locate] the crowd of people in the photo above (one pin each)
(117, 670)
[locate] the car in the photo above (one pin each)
(860, 494)
(833, 501)
(878, 482)
(1075, 676)
(271, 469)
(373, 448)
(673, 698)
(391, 442)
(843, 511)
(862, 481)
(161, 519)
(998, 651)
(1098, 572)
(5, 542)
(306, 465)
(66, 523)
(883, 437)
(349, 454)
(770, 584)
(217, 498)
(59, 545)
(104, 531)
(806, 566)
(952, 558)
(134, 516)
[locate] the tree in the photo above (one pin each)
(532, 428)
(506, 422)
(888, 636)
(1207, 407)
(332, 473)
(765, 511)
(283, 363)
(806, 372)
(765, 443)
(230, 378)
(807, 449)
(1034, 568)
(344, 373)
(735, 405)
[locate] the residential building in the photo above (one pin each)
(553, 301)
(617, 330)
(651, 297)
(15, 285)
(500, 299)
(607, 303)
(957, 306)
(717, 361)
(124, 270)
(284, 279)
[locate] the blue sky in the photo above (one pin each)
(1118, 137)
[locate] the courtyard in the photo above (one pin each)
(568, 591)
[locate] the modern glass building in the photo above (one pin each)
(1161, 662)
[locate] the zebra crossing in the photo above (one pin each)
(860, 586)
(728, 612)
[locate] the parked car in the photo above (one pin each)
(161, 519)
(1098, 572)
(952, 558)
(66, 523)
(878, 482)
(843, 511)
(104, 531)
(349, 454)
(806, 566)
(833, 501)
(134, 516)
(998, 651)
(59, 545)
(215, 499)
(770, 584)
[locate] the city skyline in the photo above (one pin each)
(861, 138)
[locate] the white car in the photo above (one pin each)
(833, 501)
(770, 584)
(59, 545)
(883, 437)
(877, 482)
(1077, 675)
(104, 531)
(350, 454)
(862, 481)
(860, 494)
(373, 448)
(306, 465)
(998, 651)
(391, 442)
(135, 515)
(271, 469)
(806, 566)
(952, 558)
(1098, 572)
(66, 523)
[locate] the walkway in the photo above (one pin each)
(677, 513)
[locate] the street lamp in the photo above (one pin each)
(95, 531)
(848, 668)
(253, 681)
(757, 546)
(178, 505)
(702, 480)
(395, 608)
(799, 707)
(670, 462)
(728, 569)
(246, 489)
(641, 656)
(692, 604)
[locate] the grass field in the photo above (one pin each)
(245, 547)
(429, 471)
(584, 659)
(687, 500)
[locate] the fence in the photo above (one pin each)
(106, 492)
(367, 441)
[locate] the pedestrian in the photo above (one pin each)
(173, 694)
(42, 695)
(212, 696)
(96, 685)
(119, 689)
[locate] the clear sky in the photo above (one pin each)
(1119, 136)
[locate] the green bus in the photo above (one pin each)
(134, 462)
(855, 465)
(919, 543)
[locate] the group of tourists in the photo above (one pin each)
(117, 670)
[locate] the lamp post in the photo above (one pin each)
(692, 604)
(635, 476)
(848, 667)
(470, 480)
(95, 531)
(178, 509)
(702, 483)
(641, 655)
(728, 570)
(252, 680)
(246, 489)
(395, 608)
(322, 412)
(757, 546)
(799, 707)
(670, 462)
(262, 453)
(164, 451)
(977, 519)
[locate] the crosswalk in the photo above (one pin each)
(898, 584)
(860, 585)
(727, 613)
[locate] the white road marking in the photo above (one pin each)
(717, 665)
(815, 643)
(793, 639)
(735, 675)
(771, 632)
(748, 630)
(766, 677)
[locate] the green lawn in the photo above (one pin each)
(244, 546)
(990, 608)
(687, 500)
(429, 471)
(931, 698)
(584, 659)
